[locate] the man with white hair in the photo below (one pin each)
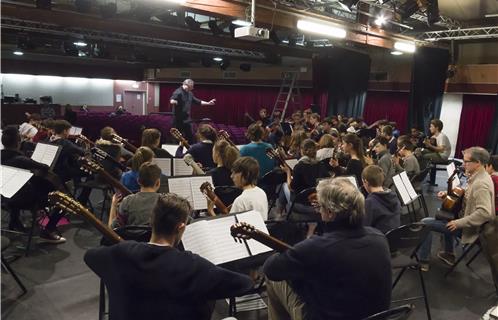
(327, 276)
(182, 99)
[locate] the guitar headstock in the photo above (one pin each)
(189, 160)
(89, 165)
(116, 138)
(222, 134)
(242, 231)
(176, 133)
(65, 202)
(206, 187)
(271, 153)
(99, 154)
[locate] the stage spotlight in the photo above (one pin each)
(348, 4)
(432, 12)
(380, 20)
(217, 59)
(215, 29)
(274, 37)
(83, 6)
(407, 9)
(224, 64)
(18, 52)
(108, 10)
(192, 24)
(44, 4)
(246, 67)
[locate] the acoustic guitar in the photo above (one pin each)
(273, 154)
(208, 191)
(223, 135)
(100, 155)
(81, 138)
(178, 136)
(89, 165)
(68, 204)
(127, 145)
(452, 203)
(244, 231)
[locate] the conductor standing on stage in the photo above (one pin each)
(182, 99)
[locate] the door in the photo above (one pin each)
(134, 102)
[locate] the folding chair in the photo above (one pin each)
(398, 313)
(301, 210)
(404, 242)
(272, 183)
(5, 264)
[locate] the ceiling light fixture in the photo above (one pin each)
(241, 23)
(176, 1)
(80, 44)
(396, 53)
(321, 28)
(18, 53)
(218, 59)
(404, 46)
(380, 20)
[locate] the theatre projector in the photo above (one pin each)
(252, 33)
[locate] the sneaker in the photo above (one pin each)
(448, 258)
(51, 237)
(424, 266)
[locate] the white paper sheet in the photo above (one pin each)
(408, 185)
(198, 199)
(45, 153)
(225, 245)
(405, 197)
(353, 180)
(171, 148)
(292, 162)
(181, 186)
(450, 169)
(12, 180)
(180, 168)
(197, 239)
(164, 164)
(75, 131)
(255, 219)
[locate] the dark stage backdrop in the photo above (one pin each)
(341, 76)
(387, 105)
(478, 123)
(429, 69)
(493, 133)
(232, 101)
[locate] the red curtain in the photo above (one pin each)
(231, 101)
(476, 121)
(387, 105)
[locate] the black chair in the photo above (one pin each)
(105, 188)
(5, 264)
(227, 194)
(301, 210)
(404, 243)
(271, 183)
(398, 313)
(136, 233)
(417, 180)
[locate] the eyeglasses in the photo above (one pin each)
(469, 161)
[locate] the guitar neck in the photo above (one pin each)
(105, 230)
(270, 241)
(129, 146)
(115, 183)
(217, 201)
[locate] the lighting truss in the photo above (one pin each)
(122, 38)
(461, 34)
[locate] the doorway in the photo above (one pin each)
(134, 102)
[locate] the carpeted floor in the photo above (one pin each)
(60, 286)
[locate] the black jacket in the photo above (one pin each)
(154, 282)
(343, 274)
(382, 210)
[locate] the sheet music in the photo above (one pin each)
(180, 168)
(408, 185)
(197, 239)
(45, 153)
(164, 164)
(292, 162)
(171, 148)
(450, 169)
(181, 186)
(198, 198)
(73, 131)
(12, 180)
(353, 180)
(405, 197)
(226, 247)
(255, 219)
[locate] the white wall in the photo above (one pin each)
(450, 115)
(64, 90)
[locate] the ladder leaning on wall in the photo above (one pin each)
(289, 93)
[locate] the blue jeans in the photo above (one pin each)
(424, 251)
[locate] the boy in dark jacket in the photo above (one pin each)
(382, 207)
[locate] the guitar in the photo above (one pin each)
(243, 231)
(178, 136)
(100, 155)
(273, 154)
(118, 139)
(89, 165)
(81, 138)
(66, 203)
(208, 191)
(452, 203)
(223, 135)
